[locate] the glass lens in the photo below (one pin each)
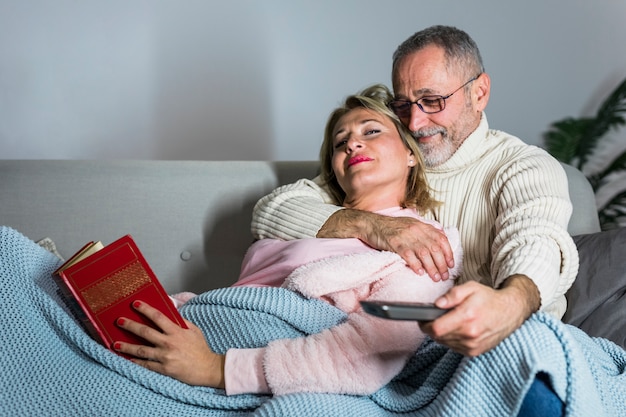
(402, 108)
(431, 104)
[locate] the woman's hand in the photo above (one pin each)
(180, 353)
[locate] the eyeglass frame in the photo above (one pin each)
(432, 97)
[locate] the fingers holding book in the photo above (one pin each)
(174, 351)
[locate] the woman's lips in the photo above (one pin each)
(357, 159)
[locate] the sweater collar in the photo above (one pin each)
(471, 149)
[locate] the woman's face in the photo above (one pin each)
(370, 160)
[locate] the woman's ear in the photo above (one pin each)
(411, 161)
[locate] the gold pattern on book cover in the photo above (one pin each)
(116, 286)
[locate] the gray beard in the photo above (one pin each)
(435, 154)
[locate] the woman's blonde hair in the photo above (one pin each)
(375, 98)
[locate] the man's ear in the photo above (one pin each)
(480, 91)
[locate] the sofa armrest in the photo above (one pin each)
(585, 214)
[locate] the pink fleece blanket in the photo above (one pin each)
(362, 354)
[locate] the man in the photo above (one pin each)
(509, 201)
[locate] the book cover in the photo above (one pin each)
(104, 282)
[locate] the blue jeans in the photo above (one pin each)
(541, 400)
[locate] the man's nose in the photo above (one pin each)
(418, 119)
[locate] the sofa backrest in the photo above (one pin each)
(191, 219)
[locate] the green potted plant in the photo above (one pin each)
(576, 141)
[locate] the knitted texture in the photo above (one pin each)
(509, 201)
(51, 367)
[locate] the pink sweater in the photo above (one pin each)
(358, 356)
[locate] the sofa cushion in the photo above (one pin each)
(597, 300)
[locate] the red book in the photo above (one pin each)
(104, 282)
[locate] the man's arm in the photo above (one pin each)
(305, 209)
(531, 229)
(423, 247)
(482, 316)
(534, 260)
(293, 211)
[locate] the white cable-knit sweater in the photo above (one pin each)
(509, 201)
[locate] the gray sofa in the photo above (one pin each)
(191, 219)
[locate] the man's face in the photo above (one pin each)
(438, 135)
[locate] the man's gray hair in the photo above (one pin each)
(461, 51)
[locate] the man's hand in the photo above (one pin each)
(180, 353)
(422, 246)
(482, 317)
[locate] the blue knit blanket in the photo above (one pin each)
(51, 367)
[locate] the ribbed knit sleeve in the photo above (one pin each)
(293, 211)
(510, 202)
(531, 228)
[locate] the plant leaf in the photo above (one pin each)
(609, 116)
(564, 137)
(618, 164)
(612, 211)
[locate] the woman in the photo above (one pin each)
(371, 163)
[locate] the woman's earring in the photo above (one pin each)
(411, 162)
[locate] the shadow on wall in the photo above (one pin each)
(223, 256)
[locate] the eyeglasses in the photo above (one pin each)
(427, 104)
